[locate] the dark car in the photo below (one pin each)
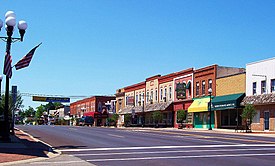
(86, 121)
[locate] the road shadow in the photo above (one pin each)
(69, 147)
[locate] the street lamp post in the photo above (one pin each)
(10, 25)
(1, 78)
(210, 119)
(143, 117)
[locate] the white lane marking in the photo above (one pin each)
(175, 151)
(57, 162)
(166, 147)
(179, 157)
(113, 135)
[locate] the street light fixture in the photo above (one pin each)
(10, 20)
(210, 93)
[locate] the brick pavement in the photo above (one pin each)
(22, 147)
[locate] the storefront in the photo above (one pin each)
(99, 118)
(228, 110)
(201, 115)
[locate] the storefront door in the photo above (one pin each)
(266, 120)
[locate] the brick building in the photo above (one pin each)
(95, 106)
(205, 79)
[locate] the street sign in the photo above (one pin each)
(51, 99)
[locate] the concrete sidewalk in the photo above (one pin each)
(214, 130)
(23, 148)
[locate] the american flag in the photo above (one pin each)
(25, 61)
(7, 65)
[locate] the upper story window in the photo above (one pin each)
(161, 94)
(152, 95)
(139, 99)
(136, 99)
(254, 88)
(197, 88)
(170, 92)
(272, 86)
(147, 97)
(209, 84)
(203, 88)
(165, 92)
(263, 87)
(156, 95)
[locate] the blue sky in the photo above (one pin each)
(95, 47)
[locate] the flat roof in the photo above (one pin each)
(264, 60)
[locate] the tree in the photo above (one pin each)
(248, 114)
(39, 111)
(181, 116)
(157, 116)
(127, 119)
(17, 105)
(115, 118)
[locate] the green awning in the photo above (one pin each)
(227, 101)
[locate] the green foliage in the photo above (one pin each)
(39, 111)
(181, 116)
(157, 116)
(115, 117)
(249, 113)
(127, 119)
(17, 105)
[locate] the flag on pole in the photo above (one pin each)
(7, 65)
(25, 61)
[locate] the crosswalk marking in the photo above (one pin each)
(167, 147)
(181, 157)
(175, 151)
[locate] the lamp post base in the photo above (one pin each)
(210, 128)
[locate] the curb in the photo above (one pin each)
(51, 153)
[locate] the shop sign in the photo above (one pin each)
(181, 90)
(130, 100)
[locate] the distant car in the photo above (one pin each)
(86, 121)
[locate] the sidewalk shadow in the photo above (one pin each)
(31, 148)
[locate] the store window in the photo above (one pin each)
(272, 86)
(254, 88)
(256, 118)
(263, 87)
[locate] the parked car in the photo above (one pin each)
(86, 121)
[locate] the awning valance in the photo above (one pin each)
(148, 108)
(199, 105)
(227, 101)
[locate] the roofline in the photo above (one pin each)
(264, 60)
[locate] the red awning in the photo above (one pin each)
(91, 114)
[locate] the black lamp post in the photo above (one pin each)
(143, 116)
(10, 25)
(210, 119)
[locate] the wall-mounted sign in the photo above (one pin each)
(181, 90)
(51, 99)
(130, 100)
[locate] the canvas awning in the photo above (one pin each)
(199, 105)
(148, 108)
(227, 101)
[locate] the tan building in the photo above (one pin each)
(230, 90)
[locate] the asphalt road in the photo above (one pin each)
(134, 147)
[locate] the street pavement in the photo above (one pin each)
(149, 146)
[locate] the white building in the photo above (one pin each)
(260, 77)
(260, 91)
